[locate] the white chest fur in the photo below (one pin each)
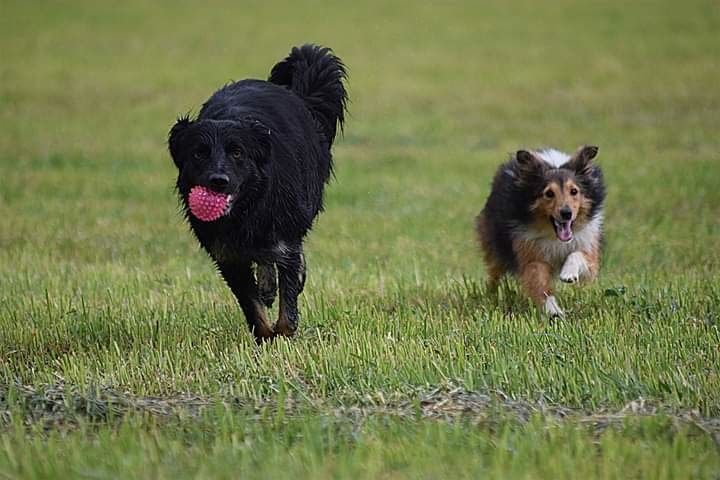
(556, 252)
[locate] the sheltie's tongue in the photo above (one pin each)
(207, 205)
(563, 230)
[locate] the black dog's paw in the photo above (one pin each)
(286, 326)
(267, 283)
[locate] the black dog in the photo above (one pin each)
(253, 166)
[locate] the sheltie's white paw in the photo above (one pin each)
(575, 267)
(552, 308)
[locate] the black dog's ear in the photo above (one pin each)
(261, 139)
(176, 137)
(581, 162)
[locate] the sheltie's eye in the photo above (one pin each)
(549, 194)
(573, 191)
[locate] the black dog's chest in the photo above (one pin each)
(227, 252)
(233, 241)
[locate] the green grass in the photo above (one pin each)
(102, 288)
(231, 446)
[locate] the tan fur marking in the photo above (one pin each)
(495, 270)
(562, 196)
(536, 281)
(535, 272)
(582, 218)
(283, 326)
(495, 274)
(592, 258)
(262, 330)
(527, 252)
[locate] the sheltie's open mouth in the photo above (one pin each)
(563, 230)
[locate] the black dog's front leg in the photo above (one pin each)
(240, 279)
(267, 283)
(291, 276)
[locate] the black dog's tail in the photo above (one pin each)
(316, 75)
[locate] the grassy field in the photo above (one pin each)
(122, 353)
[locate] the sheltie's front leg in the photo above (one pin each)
(580, 266)
(536, 280)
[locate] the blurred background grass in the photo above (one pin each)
(440, 94)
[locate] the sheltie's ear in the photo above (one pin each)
(529, 164)
(581, 162)
(530, 169)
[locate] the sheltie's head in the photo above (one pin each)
(565, 192)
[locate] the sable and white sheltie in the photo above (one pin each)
(544, 216)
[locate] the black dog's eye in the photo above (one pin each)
(573, 191)
(236, 154)
(549, 194)
(234, 151)
(200, 153)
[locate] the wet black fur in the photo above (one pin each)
(518, 183)
(272, 139)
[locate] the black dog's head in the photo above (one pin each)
(226, 156)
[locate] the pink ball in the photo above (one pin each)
(207, 205)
